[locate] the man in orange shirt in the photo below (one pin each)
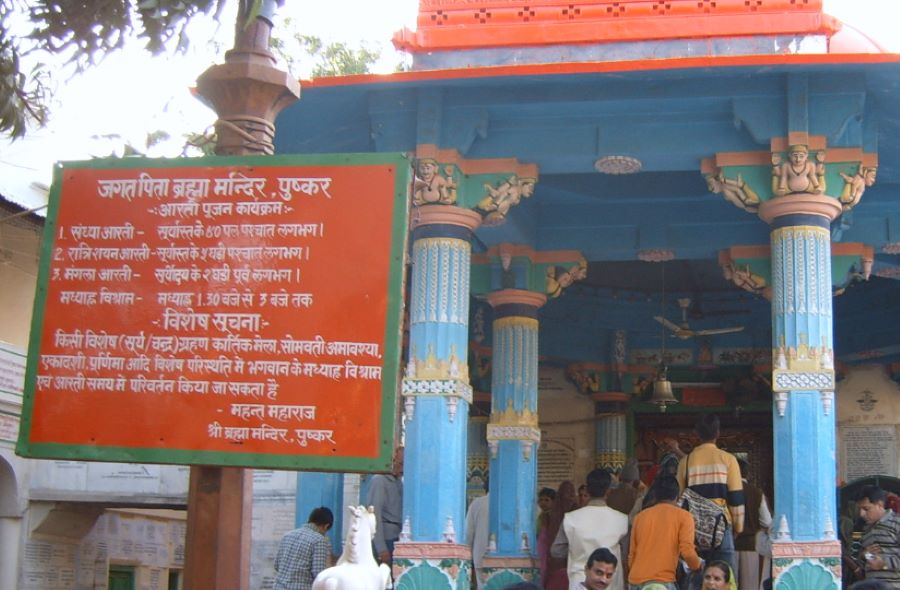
(660, 534)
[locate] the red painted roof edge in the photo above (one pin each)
(603, 67)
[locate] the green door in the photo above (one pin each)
(121, 577)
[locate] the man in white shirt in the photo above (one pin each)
(590, 528)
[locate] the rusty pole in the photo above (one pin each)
(247, 92)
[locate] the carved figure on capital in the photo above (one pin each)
(798, 174)
(736, 191)
(588, 380)
(432, 187)
(855, 186)
(500, 199)
(558, 279)
(746, 279)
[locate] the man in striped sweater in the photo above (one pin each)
(714, 474)
(880, 549)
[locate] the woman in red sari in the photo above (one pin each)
(553, 570)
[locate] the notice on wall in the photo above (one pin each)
(233, 311)
(868, 451)
(556, 462)
(12, 369)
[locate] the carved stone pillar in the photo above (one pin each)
(436, 398)
(513, 437)
(806, 552)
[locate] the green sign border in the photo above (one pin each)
(392, 335)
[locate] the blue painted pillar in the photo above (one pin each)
(477, 464)
(321, 489)
(806, 552)
(513, 437)
(436, 394)
(611, 440)
(612, 431)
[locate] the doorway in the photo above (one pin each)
(121, 577)
(748, 436)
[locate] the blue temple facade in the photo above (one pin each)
(589, 172)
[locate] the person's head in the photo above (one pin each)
(667, 488)
(321, 518)
(668, 465)
(869, 175)
(630, 473)
(716, 576)
(545, 498)
(707, 428)
(600, 569)
(522, 586)
(744, 467)
(870, 502)
(799, 154)
(583, 496)
(527, 186)
(598, 482)
(566, 497)
(397, 462)
(427, 168)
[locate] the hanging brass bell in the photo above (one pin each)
(662, 393)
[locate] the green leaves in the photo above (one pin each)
(82, 32)
(328, 59)
(22, 96)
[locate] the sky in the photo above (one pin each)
(131, 93)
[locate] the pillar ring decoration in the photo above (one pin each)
(827, 401)
(452, 389)
(516, 296)
(524, 434)
(444, 215)
(800, 204)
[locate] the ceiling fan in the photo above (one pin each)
(684, 331)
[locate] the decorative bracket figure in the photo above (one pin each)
(798, 174)
(736, 191)
(557, 279)
(855, 186)
(500, 199)
(431, 186)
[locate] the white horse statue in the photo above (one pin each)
(356, 569)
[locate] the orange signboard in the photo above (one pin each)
(228, 311)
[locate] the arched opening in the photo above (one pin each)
(9, 497)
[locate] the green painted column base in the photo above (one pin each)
(499, 572)
(432, 566)
(806, 566)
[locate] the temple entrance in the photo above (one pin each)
(746, 435)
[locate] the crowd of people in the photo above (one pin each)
(617, 532)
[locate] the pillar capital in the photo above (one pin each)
(447, 215)
(750, 268)
(490, 187)
(800, 204)
(796, 166)
(247, 92)
(518, 266)
(516, 297)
